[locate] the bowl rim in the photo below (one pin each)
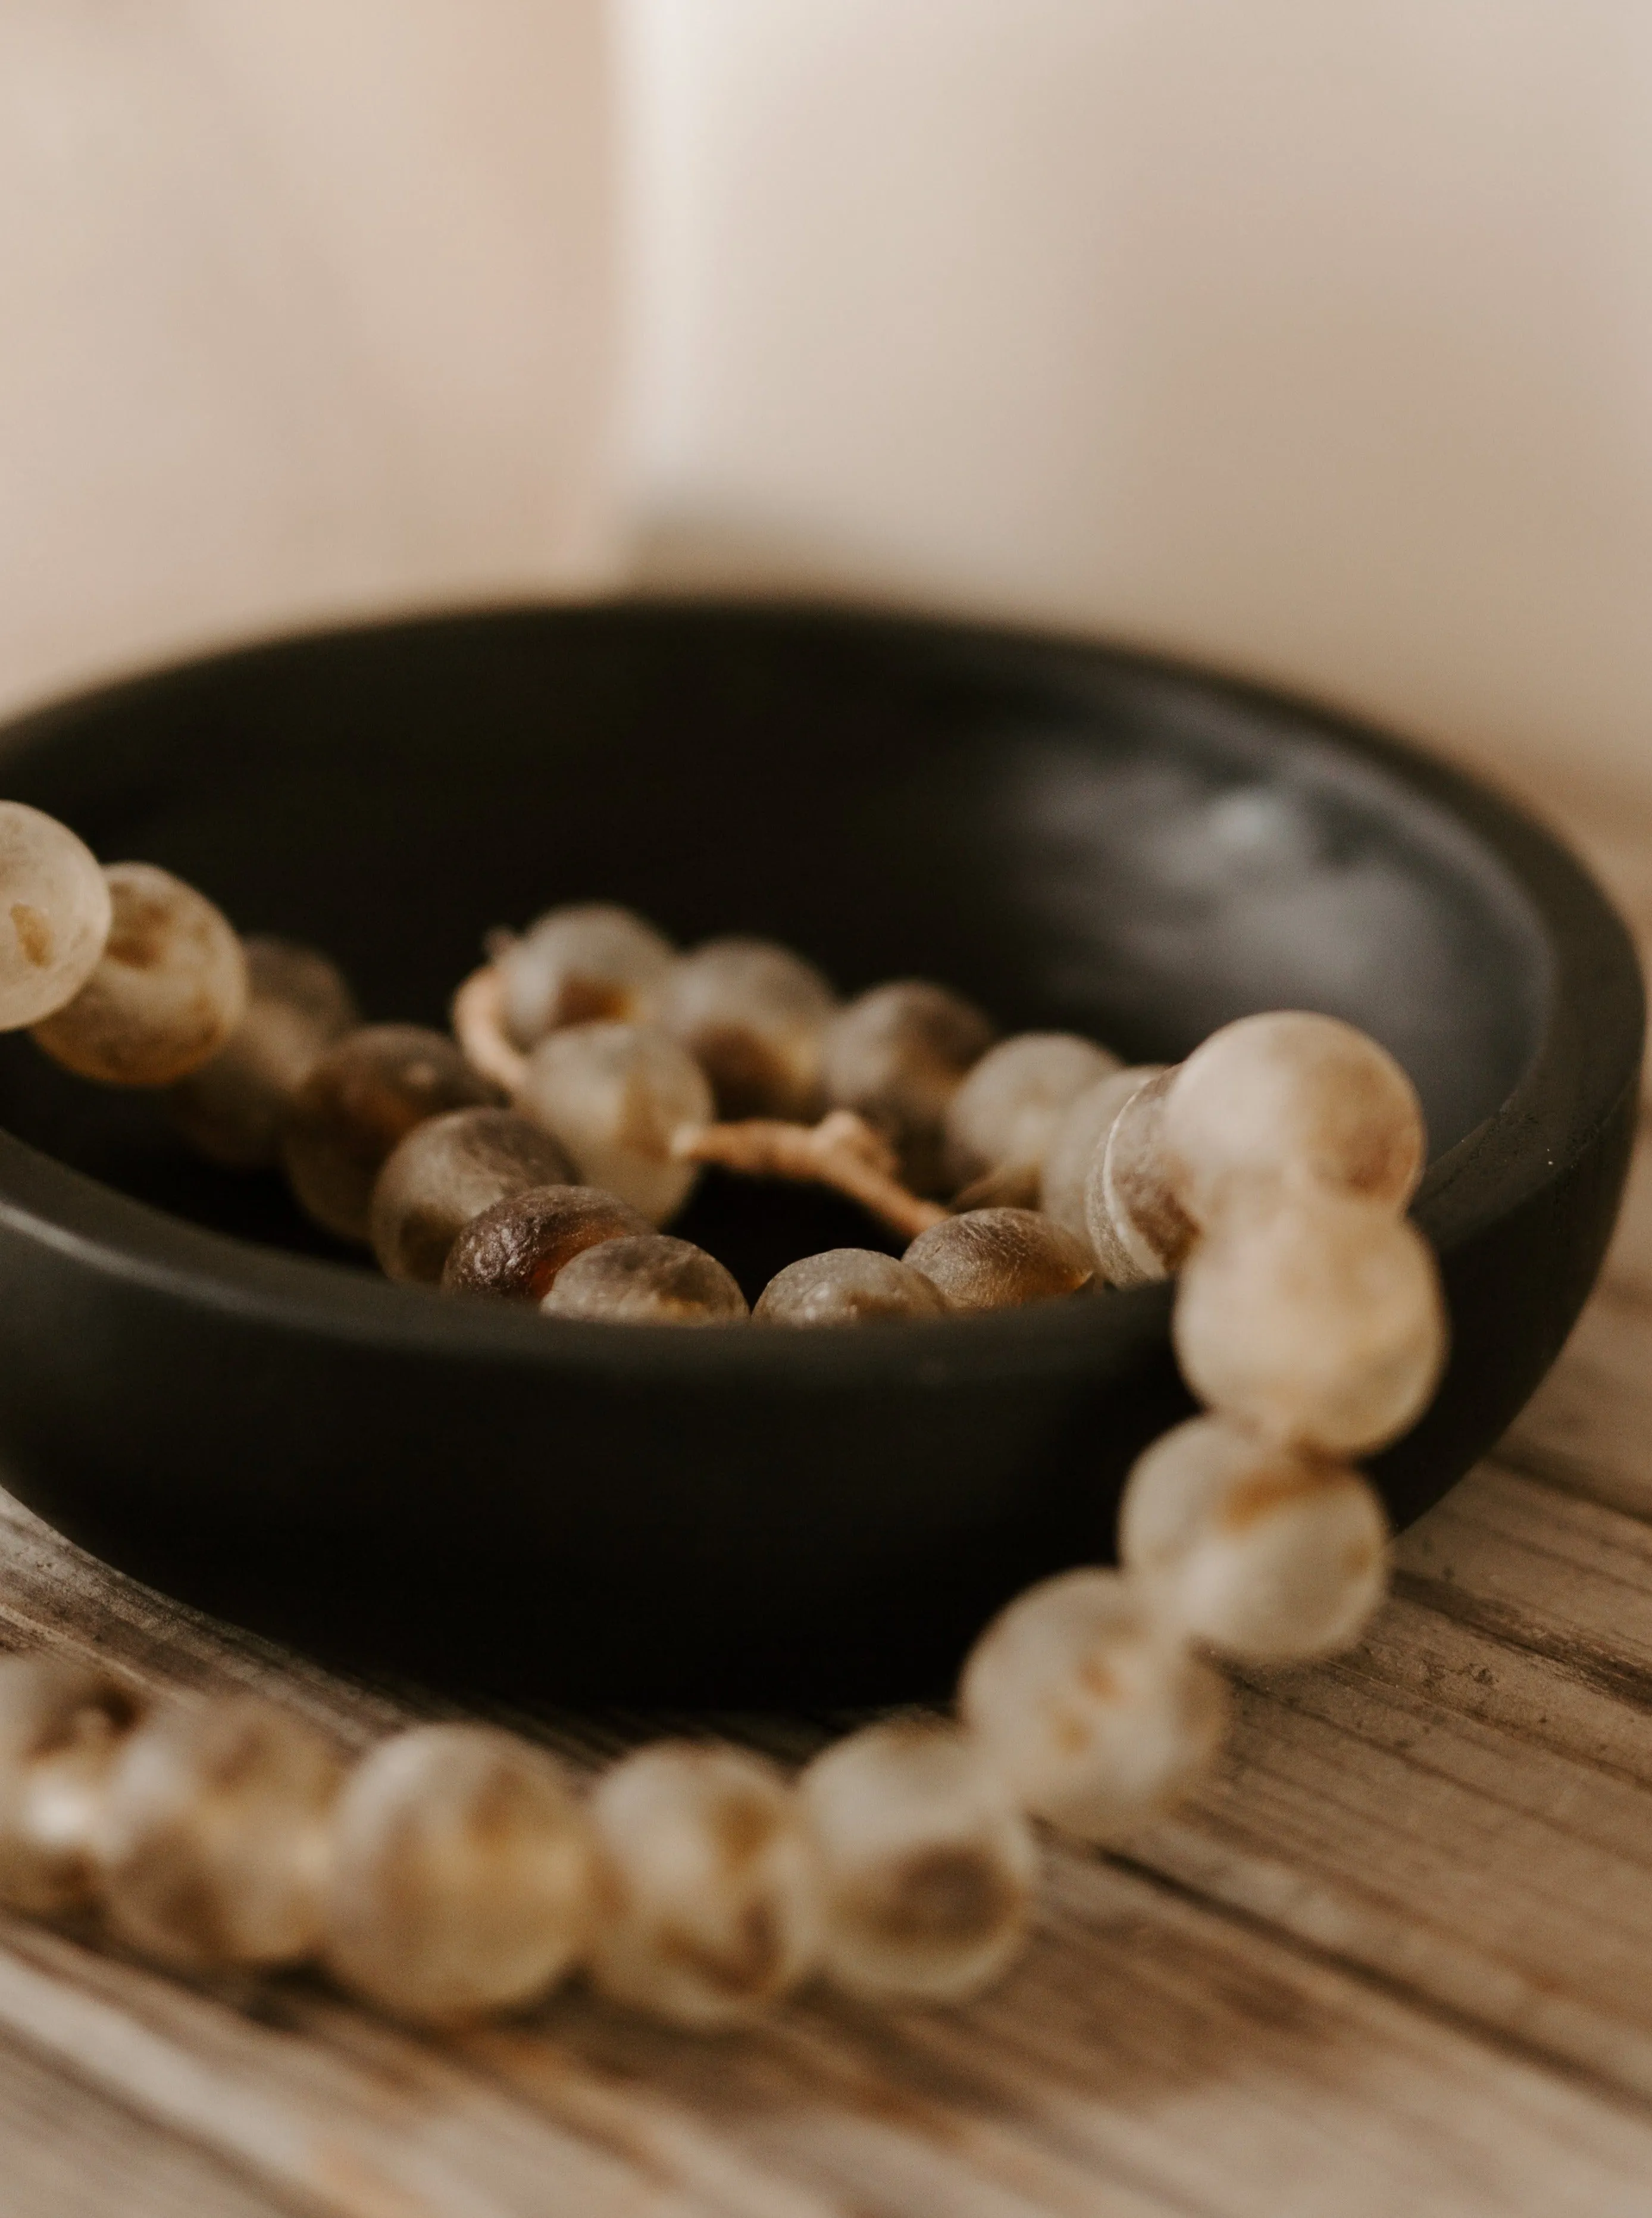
(1548, 1120)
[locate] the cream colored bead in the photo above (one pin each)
(1263, 1553)
(54, 914)
(926, 1868)
(446, 1173)
(462, 1875)
(1093, 1713)
(897, 1056)
(575, 965)
(616, 1096)
(1313, 1319)
(1137, 1227)
(61, 1728)
(168, 992)
(1000, 1123)
(1079, 1139)
(710, 1884)
(213, 1845)
(1290, 1095)
(753, 1016)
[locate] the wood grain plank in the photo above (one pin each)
(66, 2153)
(1154, 2055)
(1464, 1806)
(1627, 1267)
(383, 2128)
(1147, 2039)
(1150, 2057)
(1588, 1428)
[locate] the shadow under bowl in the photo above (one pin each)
(202, 1389)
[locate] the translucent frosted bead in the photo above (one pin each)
(1292, 1095)
(1316, 1321)
(848, 1286)
(462, 1874)
(1263, 1554)
(646, 1278)
(998, 1258)
(297, 1005)
(1094, 1714)
(1000, 1123)
(926, 1868)
(1138, 1227)
(214, 1841)
(54, 914)
(62, 1727)
(898, 1054)
(168, 991)
(577, 965)
(447, 1171)
(360, 1101)
(752, 1015)
(1078, 1143)
(709, 1891)
(515, 1249)
(616, 1096)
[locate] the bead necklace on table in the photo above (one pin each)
(453, 1870)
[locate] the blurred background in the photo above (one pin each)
(1313, 341)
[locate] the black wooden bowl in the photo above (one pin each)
(1078, 837)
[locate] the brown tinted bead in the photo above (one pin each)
(168, 992)
(616, 1096)
(752, 1015)
(898, 1054)
(707, 1887)
(649, 1279)
(1293, 1096)
(1265, 1553)
(61, 1728)
(1077, 1146)
(1313, 1319)
(447, 1171)
(358, 1104)
(298, 1003)
(462, 1874)
(996, 1259)
(215, 1840)
(1137, 1226)
(848, 1286)
(926, 1867)
(1089, 1709)
(1001, 1121)
(577, 965)
(515, 1249)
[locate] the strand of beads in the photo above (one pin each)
(456, 1870)
(619, 1054)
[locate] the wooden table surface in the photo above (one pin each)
(1396, 1959)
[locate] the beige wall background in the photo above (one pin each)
(304, 309)
(1314, 339)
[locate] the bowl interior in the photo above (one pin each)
(1105, 846)
(1076, 837)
